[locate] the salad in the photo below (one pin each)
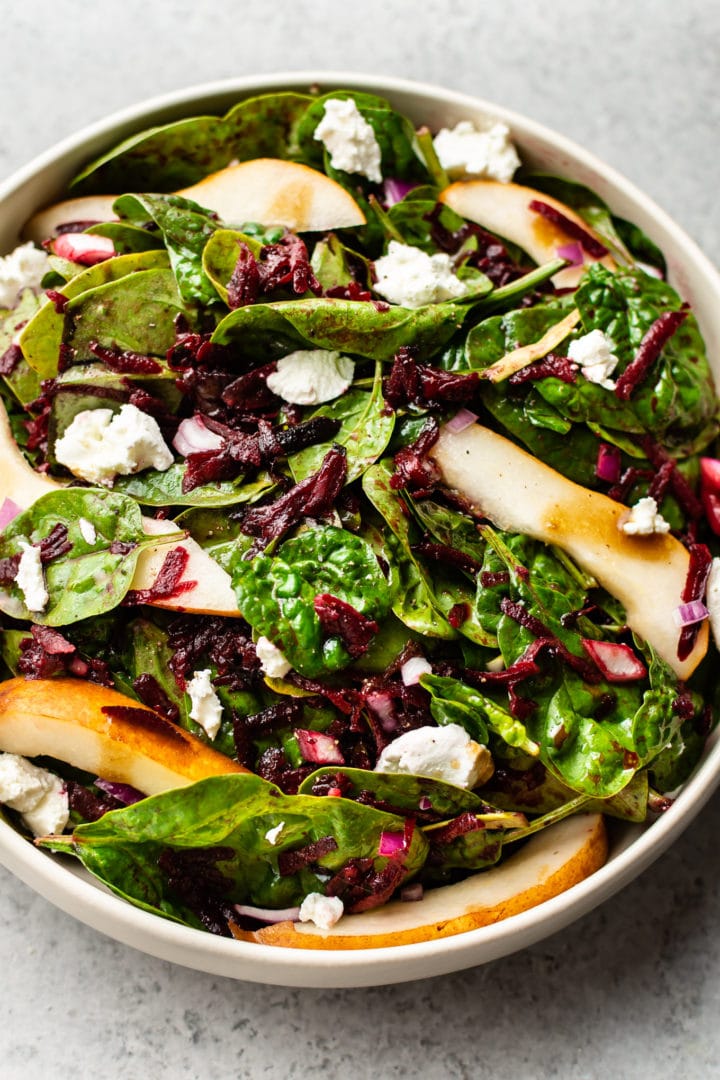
(358, 520)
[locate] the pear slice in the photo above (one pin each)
(550, 863)
(521, 494)
(504, 209)
(267, 190)
(64, 719)
(212, 593)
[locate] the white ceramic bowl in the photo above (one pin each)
(633, 848)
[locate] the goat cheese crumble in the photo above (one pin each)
(349, 139)
(443, 753)
(23, 268)
(30, 579)
(467, 151)
(644, 519)
(324, 911)
(273, 662)
(311, 376)
(594, 354)
(87, 530)
(38, 795)
(99, 445)
(411, 278)
(272, 835)
(206, 709)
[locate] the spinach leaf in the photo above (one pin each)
(186, 227)
(220, 255)
(453, 702)
(366, 427)
(128, 238)
(536, 790)
(154, 488)
(413, 598)
(22, 382)
(232, 812)
(335, 265)
(402, 791)
(276, 592)
(90, 578)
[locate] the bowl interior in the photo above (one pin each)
(632, 847)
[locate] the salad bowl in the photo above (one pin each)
(632, 847)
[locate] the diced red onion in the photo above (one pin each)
(572, 252)
(8, 511)
(691, 613)
(318, 747)
(381, 704)
(461, 420)
(267, 915)
(617, 662)
(391, 843)
(83, 248)
(412, 893)
(608, 463)
(395, 190)
(192, 436)
(424, 803)
(413, 668)
(124, 793)
(709, 474)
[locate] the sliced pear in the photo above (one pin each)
(64, 719)
(504, 209)
(550, 863)
(267, 190)
(521, 494)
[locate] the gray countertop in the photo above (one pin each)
(632, 989)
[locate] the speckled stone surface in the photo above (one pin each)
(632, 990)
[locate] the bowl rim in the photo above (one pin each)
(80, 895)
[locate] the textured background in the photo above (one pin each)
(634, 988)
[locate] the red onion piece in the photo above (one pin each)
(318, 747)
(83, 248)
(124, 793)
(395, 190)
(617, 662)
(267, 915)
(425, 803)
(391, 843)
(193, 436)
(413, 668)
(608, 463)
(572, 252)
(8, 511)
(709, 474)
(412, 893)
(690, 613)
(461, 420)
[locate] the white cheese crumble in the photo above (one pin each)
(311, 376)
(444, 753)
(87, 530)
(712, 599)
(644, 519)
(23, 268)
(273, 834)
(30, 579)
(273, 662)
(99, 445)
(206, 709)
(410, 277)
(467, 151)
(349, 139)
(324, 911)
(594, 353)
(37, 794)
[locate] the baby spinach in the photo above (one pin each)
(232, 813)
(276, 592)
(404, 792)
(154, 488)
(454, 702)
(90, 578)
(220, 255)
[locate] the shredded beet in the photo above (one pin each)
(658, 458)
(450, 556)
(362, 886)
(499, 577)
(694, 589)
(282, 265)
(47, 653)
(410, 383)
(87, 804)
(55, 544)
(413, 470)
(490, 256)
(551, 366)
(168, 584)
(244, 285)
(10, 359)
(151, 693)
(224, 643)
(547, 640)
(192, 348)
(352, 291)
(313, 497)
(338, 618)
(571, 228)
(272, 765)
(648, 351)
(250, 391)
(289, 862)
(194, 877)
(9, 569)
(124, 361)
